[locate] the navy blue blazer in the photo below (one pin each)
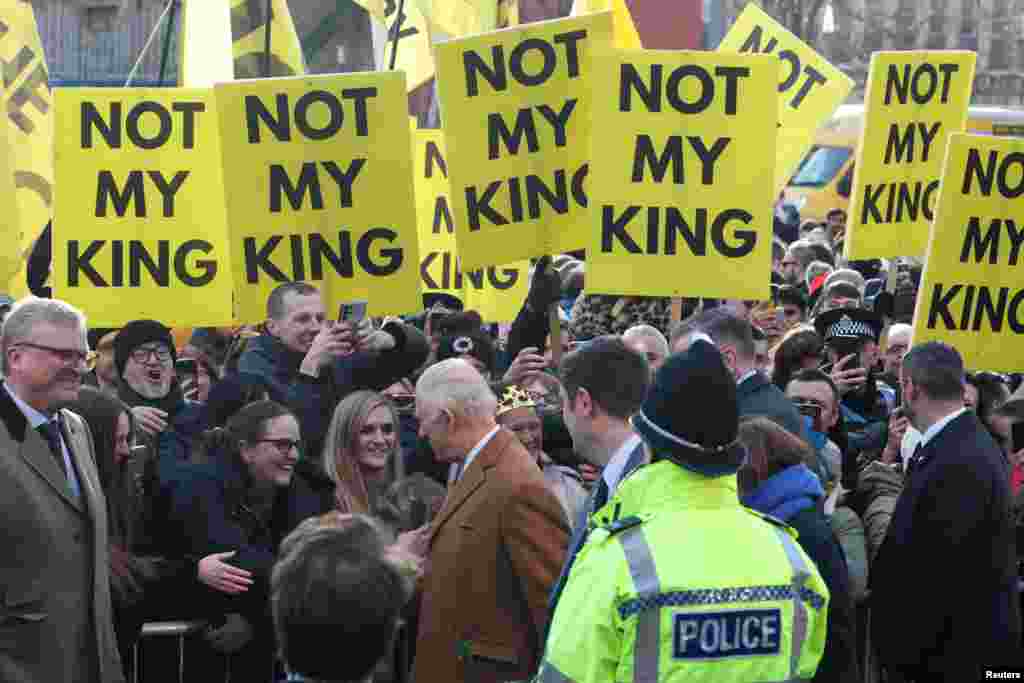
(944, 595)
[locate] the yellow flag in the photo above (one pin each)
(25, 95)
(10, 259)
(458, 18)
(415, 55)
(623, 27)
(224, 39)
(205, 54)
(248, 31)
(376, 8)
(508, 13)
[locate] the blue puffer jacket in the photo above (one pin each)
(792, 495)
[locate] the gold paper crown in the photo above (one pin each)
(514, 397)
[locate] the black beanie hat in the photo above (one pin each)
(691, 414)
(478, 345)
(135, 334)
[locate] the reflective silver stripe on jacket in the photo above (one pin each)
(549, 674)
(647, 649)
(800, 576)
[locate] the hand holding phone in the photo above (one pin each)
(848, 374)
(352, 312)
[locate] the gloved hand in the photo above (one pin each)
(545, 286)
(232, 636)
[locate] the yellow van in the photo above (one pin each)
(824, 178)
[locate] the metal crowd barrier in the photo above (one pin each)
(166, 629)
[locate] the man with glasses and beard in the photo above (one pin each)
(144, 356)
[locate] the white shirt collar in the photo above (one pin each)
(479, 447)
(616, 467)
(34, 417)
(934, 430)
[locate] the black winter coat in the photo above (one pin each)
(212, 510)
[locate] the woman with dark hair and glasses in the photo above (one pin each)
(242, 501)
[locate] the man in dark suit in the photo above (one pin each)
(603, 385)
(944, 583)
(55, 613)
(494, 550)
(734, 338)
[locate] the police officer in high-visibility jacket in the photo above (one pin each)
(678, 581)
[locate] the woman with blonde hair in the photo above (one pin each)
(361, 450)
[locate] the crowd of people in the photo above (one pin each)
(723, 490)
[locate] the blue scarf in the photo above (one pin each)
(786, 494)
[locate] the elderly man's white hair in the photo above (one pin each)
(647, 332)
(898, 330)
(456, 385)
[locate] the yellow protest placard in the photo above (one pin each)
(25, 96)
(139, 229)
(913, 102)
(515, 108)
(972, 293)
(810, 88)
(496, 292)
(318, 173)
(683, 188)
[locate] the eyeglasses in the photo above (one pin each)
(284, 446)
(143, 354)
(66, 356)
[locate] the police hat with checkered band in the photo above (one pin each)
(849, 324)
